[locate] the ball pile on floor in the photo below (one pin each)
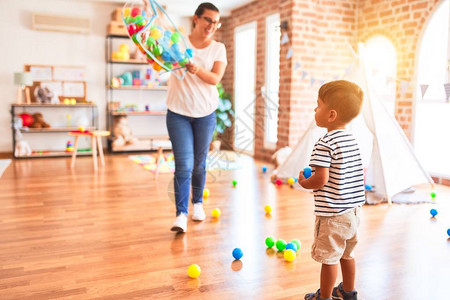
(289, 250)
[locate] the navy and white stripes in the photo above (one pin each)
(338, 151)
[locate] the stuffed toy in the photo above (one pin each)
(22, 147)
(43, 95)
(39, 121)
(122, 132)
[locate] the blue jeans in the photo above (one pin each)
(190, 139)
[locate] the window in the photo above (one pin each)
(431, 120)
(272, 80)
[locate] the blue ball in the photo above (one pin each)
(448, 232)
(264, 169)
(190, 53)
(291, 246)
(237, 253)
(433, 212)
(368, 187)
(307, 172)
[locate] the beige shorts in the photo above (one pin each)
(335, 237)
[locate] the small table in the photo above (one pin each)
(95, 142)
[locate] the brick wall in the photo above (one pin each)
(321, 33)
(403, 22)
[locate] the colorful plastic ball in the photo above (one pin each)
(175, 38)
(190, 53)
(150, 41)
(270, 242)
(155, 33)
(205, 193)
(156, 67)
(278, 182)
(135, 11)
(237, 253)
(264, 169)
(307, 172)
(368, 187)
(131, 29)
(448, 232)
(215, 213)
(268, 209)
(126, 12)
(291, 246)
(289, 255)
(433, 212)
(433, 195)
(166, 56)
(194, 271)
(139, 21)
(157, 50)
(291, 181)
(297, 243)
(281, 245)
(27, 119)
(129, 19)
(234, 182)
(183, 62)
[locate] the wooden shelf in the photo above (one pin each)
(128, 61)
(53, 129)
(131, 87)
(139, 113)
(54, 105)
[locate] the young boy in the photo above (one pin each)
(338, 183)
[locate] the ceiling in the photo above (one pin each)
(187, 7)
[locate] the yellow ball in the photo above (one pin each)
(73, 101)
(216, 213)
(66, 101)
(126, 12)
(289, 255)
(205, 193)
(156, 33)
(267, 209)
(194, 271)
(291, 181)
(81, 128)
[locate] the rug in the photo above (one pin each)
(4, 163)
(220, 160)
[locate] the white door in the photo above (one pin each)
(244, 87)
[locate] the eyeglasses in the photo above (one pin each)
(215, 24)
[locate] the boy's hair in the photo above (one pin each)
(202, 7)
(343, 96)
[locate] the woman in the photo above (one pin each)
(191, 118)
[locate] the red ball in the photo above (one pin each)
(27, 119)
(278, 182)
(132, 29)
(136, 11)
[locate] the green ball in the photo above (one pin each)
(234, 183)
(176, 37)
(281, 245)
(151, 41)
(183, 62)
(135, 38)
(270, 242)
(433, 195)
(297, 242)
(158, 50)
(129, 19)
(168, 65)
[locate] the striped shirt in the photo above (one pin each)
(338, 151)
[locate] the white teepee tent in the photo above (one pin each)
(392, 167)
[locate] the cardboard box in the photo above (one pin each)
(117, 28)
(116, 15)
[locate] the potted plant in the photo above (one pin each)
(224, 113)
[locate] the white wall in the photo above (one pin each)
(21, 45)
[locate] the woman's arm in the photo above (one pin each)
(212, 77)
(316, 181)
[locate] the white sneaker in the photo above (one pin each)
(199, 212)
(180, 224)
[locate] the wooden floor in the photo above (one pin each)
(83, 235)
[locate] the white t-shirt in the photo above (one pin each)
(192, 96)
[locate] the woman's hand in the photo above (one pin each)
(192, 68)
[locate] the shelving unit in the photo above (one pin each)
(154, 139)
(17, 109)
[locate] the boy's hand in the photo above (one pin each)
(300, 176)
(192, 68)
